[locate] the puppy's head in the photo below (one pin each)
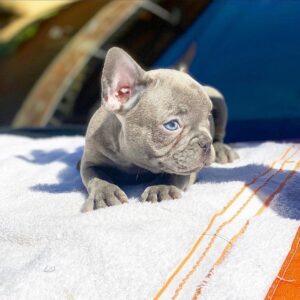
(164, 115)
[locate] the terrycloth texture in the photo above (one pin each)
(181, 248)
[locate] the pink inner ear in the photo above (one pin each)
(123, 94)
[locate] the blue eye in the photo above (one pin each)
(172, 125)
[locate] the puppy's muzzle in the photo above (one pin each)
(204, 142)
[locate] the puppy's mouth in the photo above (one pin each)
(185, 170)
(170, 165)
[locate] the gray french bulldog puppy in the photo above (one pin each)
(156, 122)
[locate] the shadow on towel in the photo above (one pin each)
(286, 204)
(69, 177)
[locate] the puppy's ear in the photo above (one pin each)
(122, 81)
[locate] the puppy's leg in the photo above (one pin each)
(102, 192)
(182, 182)
(224, 153)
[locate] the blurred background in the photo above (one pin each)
(52, 53)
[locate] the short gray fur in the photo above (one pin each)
(127, 135)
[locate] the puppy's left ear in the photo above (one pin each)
(122, 81)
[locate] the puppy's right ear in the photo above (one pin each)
(122, 81)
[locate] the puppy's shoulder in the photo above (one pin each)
(103, 132)
(100, 121)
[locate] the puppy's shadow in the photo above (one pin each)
(286, 203)
(69, 179)
(218, 174)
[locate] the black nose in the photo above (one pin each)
(205, 145)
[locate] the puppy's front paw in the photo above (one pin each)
(224, 153)
(158, 193)
(102, 195)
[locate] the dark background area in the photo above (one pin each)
(249, 50)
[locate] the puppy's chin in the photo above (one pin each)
(189, 172)
(182, 171)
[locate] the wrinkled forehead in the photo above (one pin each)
(175, 92)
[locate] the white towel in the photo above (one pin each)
(182, 248)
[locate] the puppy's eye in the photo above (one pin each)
(172, 125)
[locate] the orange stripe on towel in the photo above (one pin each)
(219, 260)
(219, 213)
(243, 229)
(287, 283)
(211, 242)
